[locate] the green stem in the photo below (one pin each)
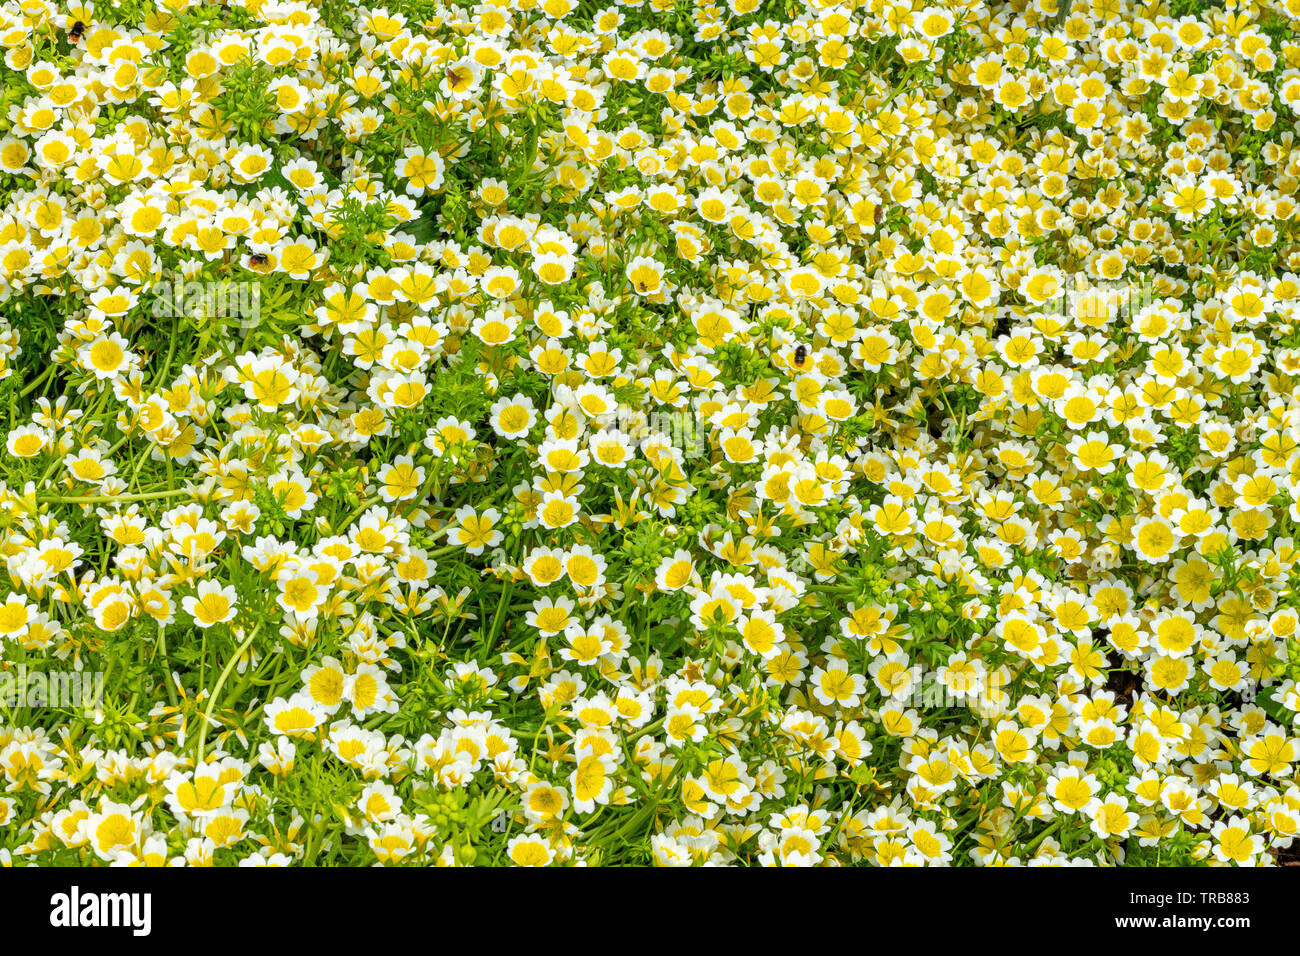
(216, 691)
(36, 382)
(109, 499)
(167, 666)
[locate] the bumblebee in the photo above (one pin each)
(800, 355)
(76, 32)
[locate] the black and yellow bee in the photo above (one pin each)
(257, 259)
(801, 355)
(78, 29)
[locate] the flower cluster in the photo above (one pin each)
(556, 432)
